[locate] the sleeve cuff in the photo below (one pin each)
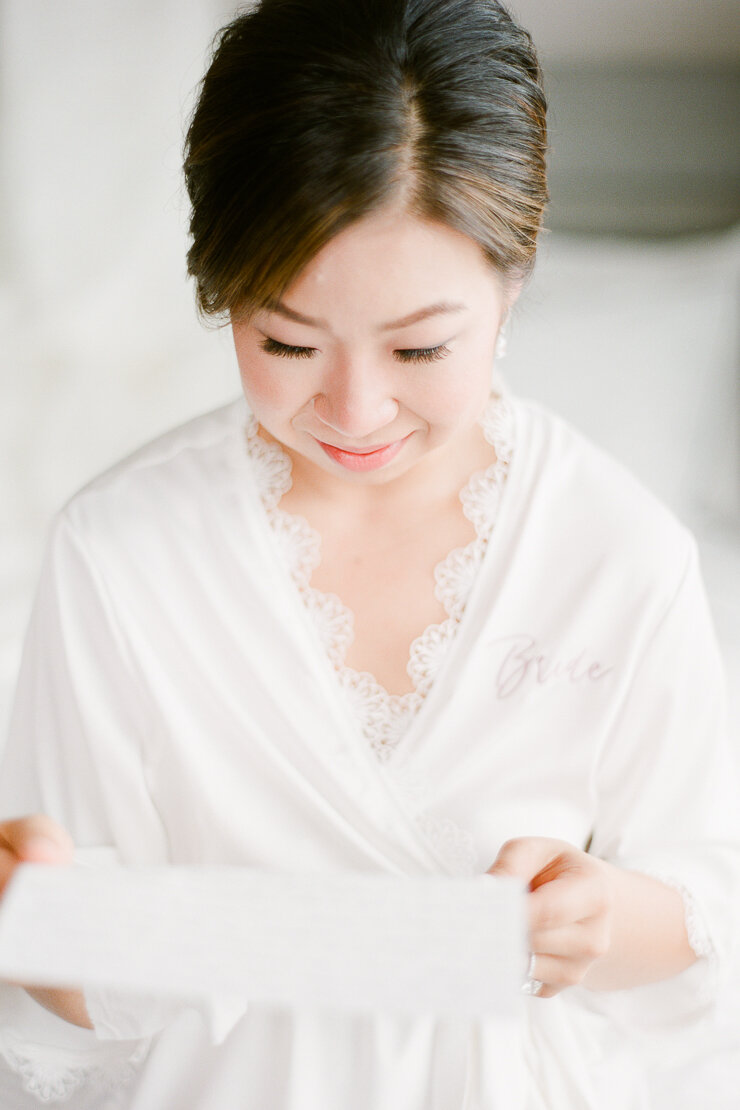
(53, 1060)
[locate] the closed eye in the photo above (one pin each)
(422, 354)
(285, 350)
(412, 354)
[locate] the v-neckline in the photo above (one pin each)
(391, 716)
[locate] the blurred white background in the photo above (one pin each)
(629, 328)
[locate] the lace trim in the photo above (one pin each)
(385, 717)
(50, 1081)
(453, 845)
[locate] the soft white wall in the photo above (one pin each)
(100, 345)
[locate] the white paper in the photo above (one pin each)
(447, 946)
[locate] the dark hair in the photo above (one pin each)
(314, 113)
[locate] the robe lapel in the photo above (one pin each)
(304, 724)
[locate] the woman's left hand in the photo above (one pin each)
(570, 908)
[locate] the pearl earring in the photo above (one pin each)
(500, 348)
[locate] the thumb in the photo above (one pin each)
(526, 856)
(37, 839)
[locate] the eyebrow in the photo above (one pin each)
(439, 309)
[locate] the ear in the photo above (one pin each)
(512, 290)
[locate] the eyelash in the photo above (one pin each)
(423, 354)
(272, 347)
(416, 354)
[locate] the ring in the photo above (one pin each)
(531, 985)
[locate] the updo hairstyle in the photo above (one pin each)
(314, 113)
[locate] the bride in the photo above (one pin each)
(379, 614)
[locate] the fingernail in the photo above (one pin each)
(41, 846)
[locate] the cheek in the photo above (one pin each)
(267, 388)
(459, 392)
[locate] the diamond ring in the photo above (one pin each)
(531, 985)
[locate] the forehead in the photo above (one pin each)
(389, 265)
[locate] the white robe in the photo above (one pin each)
(176, 704)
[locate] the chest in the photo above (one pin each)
(385, 573)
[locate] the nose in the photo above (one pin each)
(356, 403)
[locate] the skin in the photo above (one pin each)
(354, 381)
(405, 316)
(592, 923)
(338, 362)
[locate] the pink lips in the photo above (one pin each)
(364, 460)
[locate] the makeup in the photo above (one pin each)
(364, 460)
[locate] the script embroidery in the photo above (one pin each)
(526, 661)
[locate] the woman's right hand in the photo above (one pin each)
(37, 839)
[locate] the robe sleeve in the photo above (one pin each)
(81, 743)
(666, 797)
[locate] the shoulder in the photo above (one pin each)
(168, 483)
(590, 508)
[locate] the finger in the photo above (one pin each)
(8, 862)
(569, 899)
(548, 992)
(37, 839)
(526, 856)
(558, 973)
(579, 895)
(587, 939)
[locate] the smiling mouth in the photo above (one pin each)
(370, 458)
(357, 450)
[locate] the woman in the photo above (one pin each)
(384, 616)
